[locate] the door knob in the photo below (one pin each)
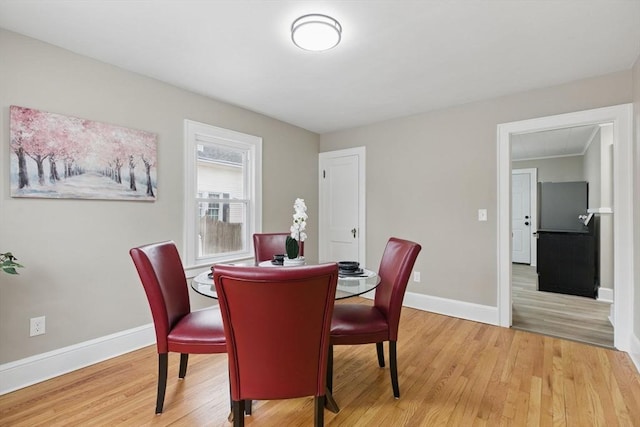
(526, 217)
(526, 223)
(353, 231)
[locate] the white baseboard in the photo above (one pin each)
(41, 367)
(448, 307)
(634, 351)
(612, 315)
(464, 310)
(605, 294)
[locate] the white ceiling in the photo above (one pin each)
(396, 58)
(564, 142)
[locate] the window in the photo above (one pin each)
(222, 196)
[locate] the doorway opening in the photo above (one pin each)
(621, 118)
(574, 163)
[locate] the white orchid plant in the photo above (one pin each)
(299, 221)
(298, 234)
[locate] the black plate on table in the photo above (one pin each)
(348, 265)
(357, 272)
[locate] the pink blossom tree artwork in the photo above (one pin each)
(57, 156)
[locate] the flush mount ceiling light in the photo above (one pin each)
(316, 32)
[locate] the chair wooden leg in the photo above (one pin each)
(184, 359)
(247, 407)
(330, 402)
(380, 351)
(318, 411)
(163, 363)
(238, 413)
(330, 369)
(393, 364)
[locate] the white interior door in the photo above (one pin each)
(342, 206)
(521, 217)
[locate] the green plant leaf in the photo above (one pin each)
(9, 270)
(8, 264)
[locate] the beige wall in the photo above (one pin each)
(636, 192)
(428, 174)
(557, 169)
(78, 272)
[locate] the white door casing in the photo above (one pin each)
(342, 205)
(621, 117)
(523, 215)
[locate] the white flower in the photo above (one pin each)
(299, 220)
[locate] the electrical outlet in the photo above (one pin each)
(416, 276)
(37, 326)
(482, 214)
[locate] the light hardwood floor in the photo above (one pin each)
(566, 316)
(452, 372)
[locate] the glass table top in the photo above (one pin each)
(348, 286)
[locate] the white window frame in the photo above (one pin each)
(195, 133)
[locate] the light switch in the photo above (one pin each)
(482, 214)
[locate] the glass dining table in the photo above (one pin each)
(348, 285)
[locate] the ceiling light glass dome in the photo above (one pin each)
(316, 32)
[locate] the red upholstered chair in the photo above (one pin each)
(366, 324)
(178, 329)
(276, 322)
(266, 245)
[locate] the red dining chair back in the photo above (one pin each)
(365, 324)
(276, 323)
(178, 329)
(266, 245)
(395, 268)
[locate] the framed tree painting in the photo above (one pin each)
(57, 156)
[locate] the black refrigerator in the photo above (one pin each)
(567, 241)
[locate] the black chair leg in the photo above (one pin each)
(393, 362)
(318, 411)
(380, 351)
(330, 369)
(184, 359)
(238, 413)
(163, 363)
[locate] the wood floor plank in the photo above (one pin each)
(565, 316)
(452, 372)
(557, 386)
